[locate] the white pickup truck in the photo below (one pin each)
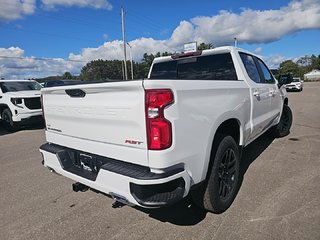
(19, 103)
(152, 142)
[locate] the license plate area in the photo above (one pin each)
(82, 164)
(87, 163)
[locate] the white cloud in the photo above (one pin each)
(252, 26)
(182, 34)
(16, 9)
(105, 36)
(273, 61)
(14, 65)
(114, 50)
(79, 3)
(11, 52)
(249, 26)
(258, 50)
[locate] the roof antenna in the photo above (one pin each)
(235, 42)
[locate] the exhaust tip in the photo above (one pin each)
(120, 201)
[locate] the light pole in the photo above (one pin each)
(131, 61)
(124, 45)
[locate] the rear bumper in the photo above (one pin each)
(131, 183)
(32, 120)
(293, 87)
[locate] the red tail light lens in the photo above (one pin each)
(159, 130)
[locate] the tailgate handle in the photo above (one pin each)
(76, 93)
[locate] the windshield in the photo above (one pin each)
(19, 86)
(296, 80)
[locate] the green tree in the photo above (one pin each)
(144, 67)
(102, 70)
(204, 46)
(67, 75)
(289, 66)
(315, 62)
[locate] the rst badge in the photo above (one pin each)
(132, 142)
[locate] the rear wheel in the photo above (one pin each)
(7, 118)
(222, 183)
(282, 129)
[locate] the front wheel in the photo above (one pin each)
(222, 184)
(7, 118)
(282, 129)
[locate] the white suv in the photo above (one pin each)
(19, 103)
(295, 85)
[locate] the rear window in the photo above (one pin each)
(213, 67)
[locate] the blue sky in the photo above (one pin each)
(65, 34)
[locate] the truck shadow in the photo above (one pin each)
(3, 131)
(185, 213)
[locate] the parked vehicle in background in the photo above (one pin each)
(20, 103)
(152, 142)
(54, 83)
(295, 85)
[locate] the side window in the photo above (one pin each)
(268, 78)
(251, 67)
(164, 70)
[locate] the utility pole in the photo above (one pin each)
(124, 45)
(131, 60)
(235, 42)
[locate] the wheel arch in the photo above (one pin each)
(232, 127)
(3, 107)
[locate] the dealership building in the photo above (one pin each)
(314, 75)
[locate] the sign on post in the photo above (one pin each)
(190, 47)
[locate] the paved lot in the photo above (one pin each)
(279, 197)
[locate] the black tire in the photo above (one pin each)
(282, 129)
(221, 187)
(7, 118)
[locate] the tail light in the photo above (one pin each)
(42, 108)
(159, 130)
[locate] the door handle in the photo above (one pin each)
(256, 93)
(272, 93)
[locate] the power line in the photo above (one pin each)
(42, 59)
(50, 34)
(62, 18)
(147, 20)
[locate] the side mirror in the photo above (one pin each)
(285, 79)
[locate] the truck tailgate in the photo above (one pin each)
(101, 118)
